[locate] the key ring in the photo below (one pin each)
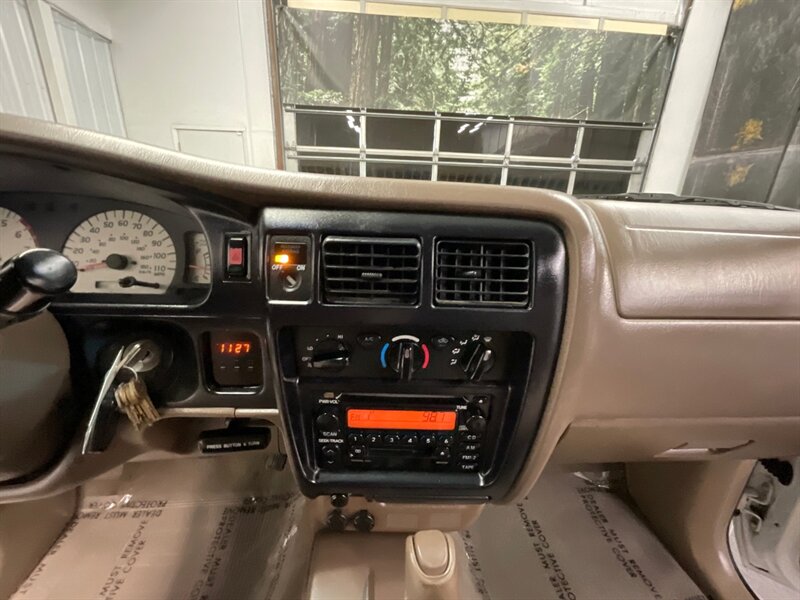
(132, 370)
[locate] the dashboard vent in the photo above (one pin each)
(478, 273)
(371, 270)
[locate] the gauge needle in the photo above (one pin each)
(93, 266)
(127, 282)
(112, 261)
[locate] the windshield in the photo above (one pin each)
(594, 98)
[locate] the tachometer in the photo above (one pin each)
(122, 252)
(15, 235)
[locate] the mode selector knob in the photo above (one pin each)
(477, 361)
(327, 422)
(330, 355)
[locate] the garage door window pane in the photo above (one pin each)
(610, 144)
(551, 180)
(470, 174)
(399, 133)
(478, 138)
(327, 167)
(588, 182)
(328, 130)
(540, 140)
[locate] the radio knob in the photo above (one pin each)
(477, 361)
(476, 423)
(330, 355)
(328, 422)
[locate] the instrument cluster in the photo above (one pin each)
(124, 252)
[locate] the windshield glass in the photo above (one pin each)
(596, 98)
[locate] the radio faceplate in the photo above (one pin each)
(388, 432)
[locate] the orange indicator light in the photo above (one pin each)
(281, 259)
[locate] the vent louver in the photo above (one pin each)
(371, 270)
(483, 273)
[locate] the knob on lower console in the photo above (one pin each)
(477, 361)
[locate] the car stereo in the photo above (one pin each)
(403, 432)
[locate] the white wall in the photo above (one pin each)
(195, 63)
(91, 13)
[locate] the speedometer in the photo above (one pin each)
(121, 252)
(15, 235)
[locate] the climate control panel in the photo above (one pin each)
(405, 355)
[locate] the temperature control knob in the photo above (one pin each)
(330, 355)
(478, 359)
(405, 358)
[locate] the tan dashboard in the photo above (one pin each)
(682, 329)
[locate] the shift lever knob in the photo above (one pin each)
(431, 568)
(30, 281)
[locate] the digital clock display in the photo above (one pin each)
(427, 420)
(235, 347)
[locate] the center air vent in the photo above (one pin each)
(370, 270)
(477, 273)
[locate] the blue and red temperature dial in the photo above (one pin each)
(405, 355)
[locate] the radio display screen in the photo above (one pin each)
(427, 420)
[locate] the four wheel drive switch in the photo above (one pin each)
(236, 256)
(289, 268)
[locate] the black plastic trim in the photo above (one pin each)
(541, 320)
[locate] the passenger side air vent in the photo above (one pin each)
(371, 270)
(477, 273)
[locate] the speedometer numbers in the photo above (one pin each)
(15, 235)
(122, 252)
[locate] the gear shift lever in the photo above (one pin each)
(30, 280)
(431, 567)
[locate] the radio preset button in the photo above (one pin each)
(355, 439)
(428, 441)
(446, 440)
(410, 439)
(373, 439)
(357, 453)
(391, 439)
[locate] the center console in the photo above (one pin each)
(413, 352)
